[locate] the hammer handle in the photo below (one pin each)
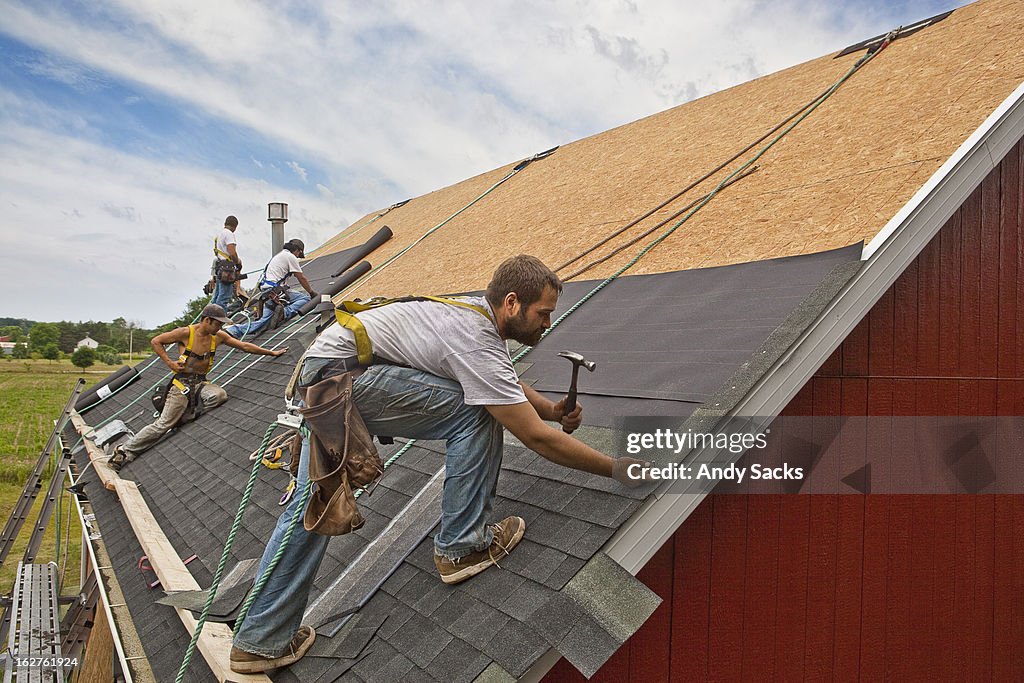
(570, 405)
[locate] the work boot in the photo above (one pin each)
(507, 534)
(243, 662)
(119, 459)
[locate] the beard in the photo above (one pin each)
(519, 330)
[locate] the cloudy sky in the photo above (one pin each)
(130, 128)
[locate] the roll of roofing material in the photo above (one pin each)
(336, 286)
(370, 245)
(105, 388)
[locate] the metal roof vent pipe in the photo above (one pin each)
(277, 214)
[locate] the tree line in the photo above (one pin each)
(52, 340)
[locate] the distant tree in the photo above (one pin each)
(51, 352)
(42, 334)
(20, 323)
(12, 331)
(108, 355)
(70, 334)
(83, 357)
(119, 334)
(20, 350)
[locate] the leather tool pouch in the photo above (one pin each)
(341, 457)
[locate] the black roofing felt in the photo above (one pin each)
(556, 590)
(665, 343)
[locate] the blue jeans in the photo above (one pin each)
(222, 293)
(295, 299)
(393, 401)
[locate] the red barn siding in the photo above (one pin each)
(870, 587)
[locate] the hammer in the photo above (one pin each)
(577, 361)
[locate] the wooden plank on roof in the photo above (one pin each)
(96, 454)
(215, 642)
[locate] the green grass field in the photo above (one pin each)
(32, 394)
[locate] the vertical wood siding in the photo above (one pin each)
(881, 586)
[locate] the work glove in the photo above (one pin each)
(621, 471)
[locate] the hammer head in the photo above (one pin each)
(578, 360)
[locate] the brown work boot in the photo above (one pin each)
(507, 534)
(243, 662)
(119, 459)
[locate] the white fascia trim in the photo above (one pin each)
(886, 257)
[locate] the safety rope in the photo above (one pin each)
(659, 224)
(686, 189)
(515, 170)
(223, 560)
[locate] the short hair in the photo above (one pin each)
(231, 221)
(525, 275)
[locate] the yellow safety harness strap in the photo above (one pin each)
(218, 253)
(188, 348)
(345, 315)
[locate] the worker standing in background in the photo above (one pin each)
(227, 265)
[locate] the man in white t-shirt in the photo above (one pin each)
(440, 371)
(284, 264)
(226, 264)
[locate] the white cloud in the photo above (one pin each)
(298, 170)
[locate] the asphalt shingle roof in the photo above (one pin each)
(555, 590)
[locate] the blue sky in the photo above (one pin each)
(129, 129)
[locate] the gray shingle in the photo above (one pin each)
(549, 495)
(526, 599)
(587, 646)
(515, 648)
(420, 640)
(613, 596)
(493, 586)
(478, 625)
(534, 561)
(458, 662)
(597, 506)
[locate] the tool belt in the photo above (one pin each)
(342, 457)
(226, 271)
(276, 297)
(191, 387)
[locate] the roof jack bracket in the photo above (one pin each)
(873, 44)
(536, 157)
